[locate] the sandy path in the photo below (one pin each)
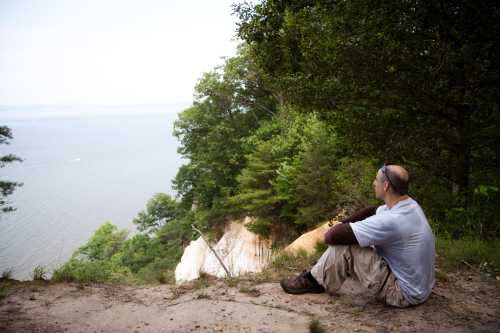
(464, 303)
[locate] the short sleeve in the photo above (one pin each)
(381, 209)
(375, 230)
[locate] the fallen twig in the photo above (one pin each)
(468, 265)
(213, 251)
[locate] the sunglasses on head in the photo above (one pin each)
(386, 172)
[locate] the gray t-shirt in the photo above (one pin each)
(403, 237)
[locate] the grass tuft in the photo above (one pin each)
(202, 282)
(315, 326)
(203, 296)
(289, 263)
(39, 273)
(254, 292)
(232, 281)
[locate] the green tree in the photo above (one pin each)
(311, 175)
(229, 104)
(106, 241)
(7, 187)
(160, 209)
(410, 82)
(289, 180)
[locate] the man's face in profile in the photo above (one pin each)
(378, 186)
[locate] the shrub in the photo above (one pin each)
(7, 274)
(39, 273)
(85, 271)
(457, 253)
(109, 257)
(105, 242)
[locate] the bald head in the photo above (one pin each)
(398, 178)
(399, 171)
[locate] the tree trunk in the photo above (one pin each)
(497, 144)
(464, 158)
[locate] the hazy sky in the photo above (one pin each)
(110, 51)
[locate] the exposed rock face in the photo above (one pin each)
(192, 260)
(241, 251)
(307, 242)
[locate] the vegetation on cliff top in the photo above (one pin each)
(320, 94)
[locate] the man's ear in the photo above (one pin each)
(386, 186)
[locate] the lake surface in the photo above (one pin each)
(83, 166)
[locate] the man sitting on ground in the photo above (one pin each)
(389, 249)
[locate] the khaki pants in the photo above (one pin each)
(362, 264)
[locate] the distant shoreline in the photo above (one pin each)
(35, 112)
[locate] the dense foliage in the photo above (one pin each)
(349, 85)
(410, 82)
(229, 104)
(148, 256)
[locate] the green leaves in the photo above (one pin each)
(160, 209)
(105, 242)
(7, 187)
(288, 179)
(230, 101)
(410, 82)
(147, 257)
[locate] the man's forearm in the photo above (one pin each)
(360, 214)
(342, 234)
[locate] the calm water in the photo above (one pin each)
(83, 165)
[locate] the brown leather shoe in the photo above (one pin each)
(301, 284)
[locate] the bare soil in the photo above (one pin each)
(461, 302)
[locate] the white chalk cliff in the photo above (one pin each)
(241, 251)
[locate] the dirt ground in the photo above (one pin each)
(465, 302)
